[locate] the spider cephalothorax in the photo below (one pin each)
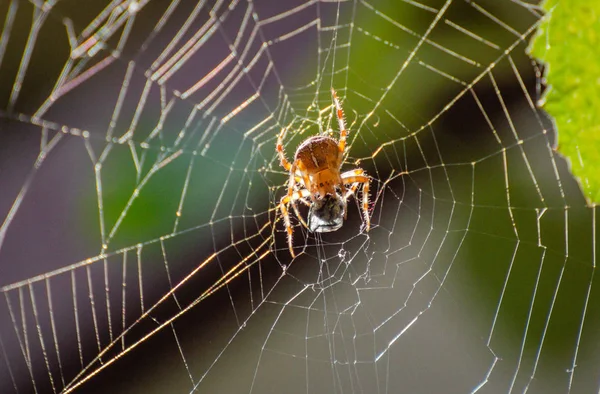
(315, 175)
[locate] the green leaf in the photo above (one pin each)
(568, 42)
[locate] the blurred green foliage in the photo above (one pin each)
(568, 43)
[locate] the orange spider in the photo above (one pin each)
(316, 170)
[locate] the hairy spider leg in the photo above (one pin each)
(295, 207)
(284, 162)
(292, 188)
(300, 183)
(286, 215)
(344, 192)
(341, 123)
(293, 178)
(356, 176)
(355, 185)
(354, 172)
(352, 190)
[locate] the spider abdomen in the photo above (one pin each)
(318, 153)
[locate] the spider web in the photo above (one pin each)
(141, 249)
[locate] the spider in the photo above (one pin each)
(315, 174)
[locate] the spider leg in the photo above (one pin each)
(288, 225)
(343, 192)
(279, 147)
(292, 188)
(304, 201)
(299, 180)
(298, 196)
(304, 180)
(352, 190)
(354, 172)
(292, 180)
(285, 200)
(300, 218)
(357, 176)
(300, 183)
(341, 123)
(355, 185)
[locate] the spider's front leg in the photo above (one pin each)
(291, 188)
(279, 148)
(285, 200)
(299, 185)
(343, 193)
(357, 176)
(352, 190)
(340, 117)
